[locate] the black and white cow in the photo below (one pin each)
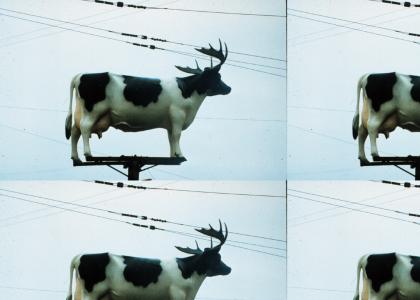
(108, 276)
(390, 276)
(390, 100)
(135, 103)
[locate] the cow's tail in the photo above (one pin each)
(359, 268)
(70, 112)
(72, 267)
(356, 114)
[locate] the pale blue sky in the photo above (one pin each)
(239, 136)
(38, 242)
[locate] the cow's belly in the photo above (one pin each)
(409, 120)
(128, 117)
(134, 293)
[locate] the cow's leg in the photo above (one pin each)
(373, 125)
(86, 124)
(177, 118)
(75, 135)
(79, 290)
(174, 136)
(363, 133)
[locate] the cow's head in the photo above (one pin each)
(209, 80)
(209, 261)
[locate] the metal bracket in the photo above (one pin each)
(134, 163)
(412, 161)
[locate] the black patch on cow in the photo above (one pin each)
(189, 84)
(415, 90)
(141, 271)
(379, 269)
(141, 91)
(92, 269)
(415, 270)
(379, 88)
(191, 264)
(92, 88)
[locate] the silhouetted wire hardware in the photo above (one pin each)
(404, 184)
(124, 214)
(122, 4)
(356, 22)
(405, 3)
(148, 46)
(138, 225)
(121, 185)
(355, 29)
(140, 36)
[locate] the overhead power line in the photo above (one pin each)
(405, 3)
(354, 209)
(133, 35)
(122, 4)
(355, 29)
(138, 225)
(121, 185)
(354, 203)
(129, 215)
(356, 22)
(149, 46)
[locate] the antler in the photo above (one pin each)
(189, 250)
(217, 234)
(215, 53)
(212, 233)
(196, 71)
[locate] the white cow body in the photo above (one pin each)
(170, 285)
(396, 279)
(389, 100)
(134, 104)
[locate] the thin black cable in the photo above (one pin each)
(352, 202)
(354, 209)
(123, 214)
(405, 3)
(348, 31)
(404, 170)
(355, 29)
(122, 4)
(334, 208)
(148, 46)
(356, 22)
(333, 27)
(140, 36)
(342, 213)
(121, 185)
(150, 227)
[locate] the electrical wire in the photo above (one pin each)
(122, 4)
(140, 36)
(355, 29)
(150, 227)
(124, 214)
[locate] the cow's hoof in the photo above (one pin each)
(76, 160)
(363, 160)
(88, 156)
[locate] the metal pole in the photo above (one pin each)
(417, 171)
(134, 171)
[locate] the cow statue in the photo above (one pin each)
(390, 276)
(115, 277)
(390, 100)
(135, 103)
